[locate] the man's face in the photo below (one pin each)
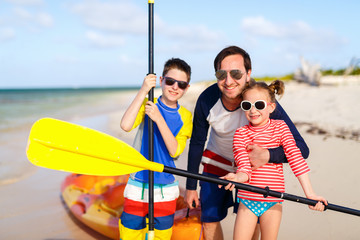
(231, 87)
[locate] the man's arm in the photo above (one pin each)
(277, 155)
(196, 148)
(197, 143)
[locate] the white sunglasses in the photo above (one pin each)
(259, 105)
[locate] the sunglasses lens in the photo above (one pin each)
(246, 106)
(236, 74)
(260, 105)
(182, 84)
(220, 74)
(169, 81)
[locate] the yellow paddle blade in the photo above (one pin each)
(69, 147)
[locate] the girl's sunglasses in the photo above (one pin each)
(170, 81)
(235, 74)
(259, 105)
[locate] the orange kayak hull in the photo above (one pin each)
(97, 201)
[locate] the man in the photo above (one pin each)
(218, 108)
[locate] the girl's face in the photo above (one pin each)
(257, 117)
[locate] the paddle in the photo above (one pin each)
(151, 227)
(68, 147)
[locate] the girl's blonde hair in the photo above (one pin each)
(276, 87)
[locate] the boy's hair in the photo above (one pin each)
(177, 63)
(276, 87)
(232, 50)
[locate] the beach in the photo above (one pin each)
(327, 117)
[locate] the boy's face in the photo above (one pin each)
(172, 93)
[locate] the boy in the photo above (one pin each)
(172, 127)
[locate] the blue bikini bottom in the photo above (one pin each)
(257, 207)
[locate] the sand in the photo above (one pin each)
(327, 117)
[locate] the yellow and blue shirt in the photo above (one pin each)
(179, 121)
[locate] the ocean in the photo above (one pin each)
(20, 108)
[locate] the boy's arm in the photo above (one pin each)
(131, 112)
(153, 112)
(175, 145)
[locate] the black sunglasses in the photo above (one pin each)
(170, 81)
(259, 105)
(235, 74)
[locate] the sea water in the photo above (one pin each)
(20, 108)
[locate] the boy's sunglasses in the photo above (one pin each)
(235, 74)
(259, 105)
(170, 81)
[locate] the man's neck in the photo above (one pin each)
(231, 104)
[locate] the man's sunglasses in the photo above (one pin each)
(170, 81)
(259, 105)
(235, 74)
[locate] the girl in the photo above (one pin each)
(258, 102)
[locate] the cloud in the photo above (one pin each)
(26, 2)
(7, 34)
(295, 35)
(42, 19)
(112, 16)
(104, 41)
(194, 36)
(129, 20)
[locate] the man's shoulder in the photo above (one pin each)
(210, 94)
(278, 112)
(211, 89)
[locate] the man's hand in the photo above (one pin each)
(258, 156)
(191, 196)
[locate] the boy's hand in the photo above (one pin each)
(152, 111)
(149, 82)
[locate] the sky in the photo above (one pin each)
(104, 43)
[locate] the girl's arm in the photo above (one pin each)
(129, 117)
(240, 177)
(309, 192)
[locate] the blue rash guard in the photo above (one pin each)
(179, 122)
(211, 113)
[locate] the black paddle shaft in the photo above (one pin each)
(150, 123)
(264, 191)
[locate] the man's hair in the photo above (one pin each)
(177, 63)
(232, 50)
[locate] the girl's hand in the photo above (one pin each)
(149, 82)
(230, 177)
(320, 205)
(152, 111)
